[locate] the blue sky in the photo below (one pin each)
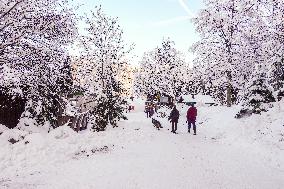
(147, 22)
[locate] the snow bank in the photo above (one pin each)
(3, 128)
(12, 135)
(225, 153)
(42, 149)
(262, 134)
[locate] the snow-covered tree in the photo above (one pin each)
(236, 37)
(258, 96)
(223, 45)
(162, 70)
(275, 46)
(34, 36)
(144, 83)
(126, 77)
(277, 79)
(102, 60)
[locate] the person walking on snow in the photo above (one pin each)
(191, 118)
(151, 110)
(147, 110)
(174, 116)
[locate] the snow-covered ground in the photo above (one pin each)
(225, 153)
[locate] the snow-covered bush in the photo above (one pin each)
(13, 135)
(258, 97)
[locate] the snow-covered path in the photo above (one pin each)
(139, 156)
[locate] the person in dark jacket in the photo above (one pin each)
(147, 110)
(191, 118)
(174, 116)
(151, 110)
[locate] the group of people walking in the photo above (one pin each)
(150, 110)
(175, 115)
(190, 116)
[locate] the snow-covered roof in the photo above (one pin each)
(198, 98)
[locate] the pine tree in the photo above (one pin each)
(277, 79)
(100, 114)
(259, 95)
(116, 104)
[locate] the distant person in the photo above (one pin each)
(174, 116)
(132, 98)
(180, 100)
(151, 110)
(156, 107)
(147, 110)
(158, 97)
(191, 118)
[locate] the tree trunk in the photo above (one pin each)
(229, 95)
(229, 89)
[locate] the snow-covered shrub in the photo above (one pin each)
(243, 113)
(27, 119)
(62, 132)
(109, 109)
(100, 114)
(3, 128)
(258, 97)
(13, 135)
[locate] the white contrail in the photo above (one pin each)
(175, 19)
(185, 7)
(170, 21)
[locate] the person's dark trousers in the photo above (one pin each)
(174, 126)
(147, 113)
(151, 113)
(189, 126)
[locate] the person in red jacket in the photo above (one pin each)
(191, 118)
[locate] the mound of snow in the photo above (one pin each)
(62, 132)
(13, 135)
(3, 128)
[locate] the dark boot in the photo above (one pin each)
(175, 124)
(188, 126)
